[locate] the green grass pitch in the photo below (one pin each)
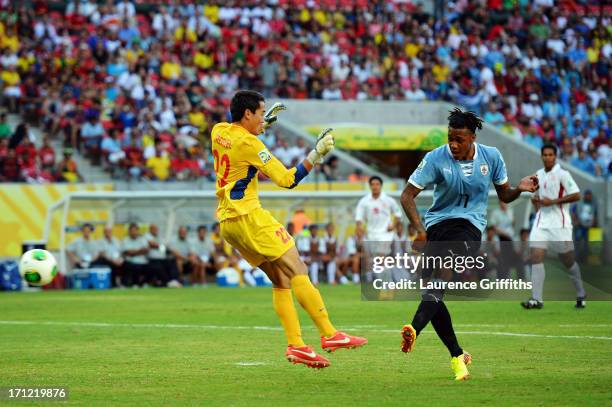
(213, 346)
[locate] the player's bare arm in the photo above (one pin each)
(409, 206)
(563, 200)
(507, 194)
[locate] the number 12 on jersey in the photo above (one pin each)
(221, 180)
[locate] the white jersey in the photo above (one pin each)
(555, 184)
(327, 242)
(377, 215)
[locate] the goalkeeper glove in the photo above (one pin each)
(324, 146)
(271, 115)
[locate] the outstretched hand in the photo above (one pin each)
(529, 184)
(323, 146)
(272, 114)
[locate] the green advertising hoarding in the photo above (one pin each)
(360, 136)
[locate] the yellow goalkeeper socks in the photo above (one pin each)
(310, 299)
(284, 307)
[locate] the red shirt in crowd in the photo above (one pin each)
(47, 156)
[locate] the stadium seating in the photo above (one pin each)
(158, 76)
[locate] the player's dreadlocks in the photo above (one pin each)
(459, 119)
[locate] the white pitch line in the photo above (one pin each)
(144, 325)
(250, 363)
(273, 328)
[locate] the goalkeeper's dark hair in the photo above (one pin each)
(458, 119)
(243, 100)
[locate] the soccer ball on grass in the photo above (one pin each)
(38, 267)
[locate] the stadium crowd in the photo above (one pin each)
(137, 89)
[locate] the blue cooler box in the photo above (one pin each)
(10, 279)
(261, 279)
(100, 278)
(80, 279)
(228, 277)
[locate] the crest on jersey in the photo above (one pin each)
(484, 169)
(264, 156)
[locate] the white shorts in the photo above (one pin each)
(559, 240)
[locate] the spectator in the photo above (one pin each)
(328, 249)
(269, 70)
(222, 249)
(163, 269)
(5, 128)
(204, 249)
(66, 170)
(182, 166)
(604, 156)
(332, 92)
(584, 162)
(354, 251)
(12, 90)
(123, 70)
(357, 176)
(493, 116)
(313, 254)
(299, 220)
(415, 94)
(111, 151)
(584, 217)
(83, 251)
(185, 256)
(92, 133)
(401, 243)
(331, 170)
(110, 255)
(158, 166)
(46, 154)
(134, 159)
(297, 152)
(283, 152)
(135, 249)
(22, 132)
(10, 167)
(502, 221)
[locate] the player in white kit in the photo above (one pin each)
(378, 213)
(552, 227)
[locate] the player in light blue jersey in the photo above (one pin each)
(461, 172)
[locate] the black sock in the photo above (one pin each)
(443, 325)
(426, 311)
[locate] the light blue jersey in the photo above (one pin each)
(461, 188)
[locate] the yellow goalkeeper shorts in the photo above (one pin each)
(257, 236)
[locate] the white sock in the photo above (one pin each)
(537, 279)
(331, 272)
(576, 277)
(356, 278)
(314, 273)
(343, 280)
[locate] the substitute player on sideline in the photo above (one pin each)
(552, 227)
(377, 213)
(260, 238)
(461, 172)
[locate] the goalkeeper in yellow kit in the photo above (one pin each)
(260, 238)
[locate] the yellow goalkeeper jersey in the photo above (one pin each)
(239, 155)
